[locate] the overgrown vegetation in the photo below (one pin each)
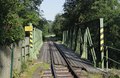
(14, 15)
(58, 25)
(29, 68)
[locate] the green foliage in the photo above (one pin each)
(16, 74)
(58, 25)
(46, 27)
(30, 16)
(14, 15)
(11, 23)
(32, 67)
(113, 76)
(24, 66)
(95, 75)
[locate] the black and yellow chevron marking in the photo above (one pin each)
(31, 40)
(101, 39)
(102, 42)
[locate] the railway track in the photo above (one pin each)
(61, 66)
(64, 70)
(59, 71)
(77, 72)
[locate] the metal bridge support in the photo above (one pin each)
(106, 58)
(102, 42)
(65, 35)
(85, 53)
(91, 47)
(88, 44)
(81, 41)
(63, 40)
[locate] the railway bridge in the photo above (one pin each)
(77, 56)
(82, 52)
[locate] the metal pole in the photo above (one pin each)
(63, 39)
(106, 58)
(24, 55)
(34, 39)
(12, 56)
(67, 38)
(102, 41)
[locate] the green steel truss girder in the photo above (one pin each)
(84, 44)
(88, 43)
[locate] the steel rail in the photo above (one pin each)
(52, 63)
(67, 62)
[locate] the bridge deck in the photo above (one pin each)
(74, 60)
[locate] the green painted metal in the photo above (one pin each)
(81, 42)
(11, 66)
(92, 48)
(66, 38)
(73, 38)
(84, 54)
(37, 43)
(88, 43)
(37, 40)
(64, 34)
(85, 42)
(106, 58)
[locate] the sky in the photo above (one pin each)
(51, 8)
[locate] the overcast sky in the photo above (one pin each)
(51, 8)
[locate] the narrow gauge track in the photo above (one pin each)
(61, 71)
(62, 63)
(78, 72)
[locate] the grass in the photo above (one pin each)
(91, 75)
(32, 68)
(29, 71)
(95, 75)
(114, 73)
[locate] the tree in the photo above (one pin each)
(14, 15)
(58, 25)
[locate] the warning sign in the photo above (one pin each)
(28, 28)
